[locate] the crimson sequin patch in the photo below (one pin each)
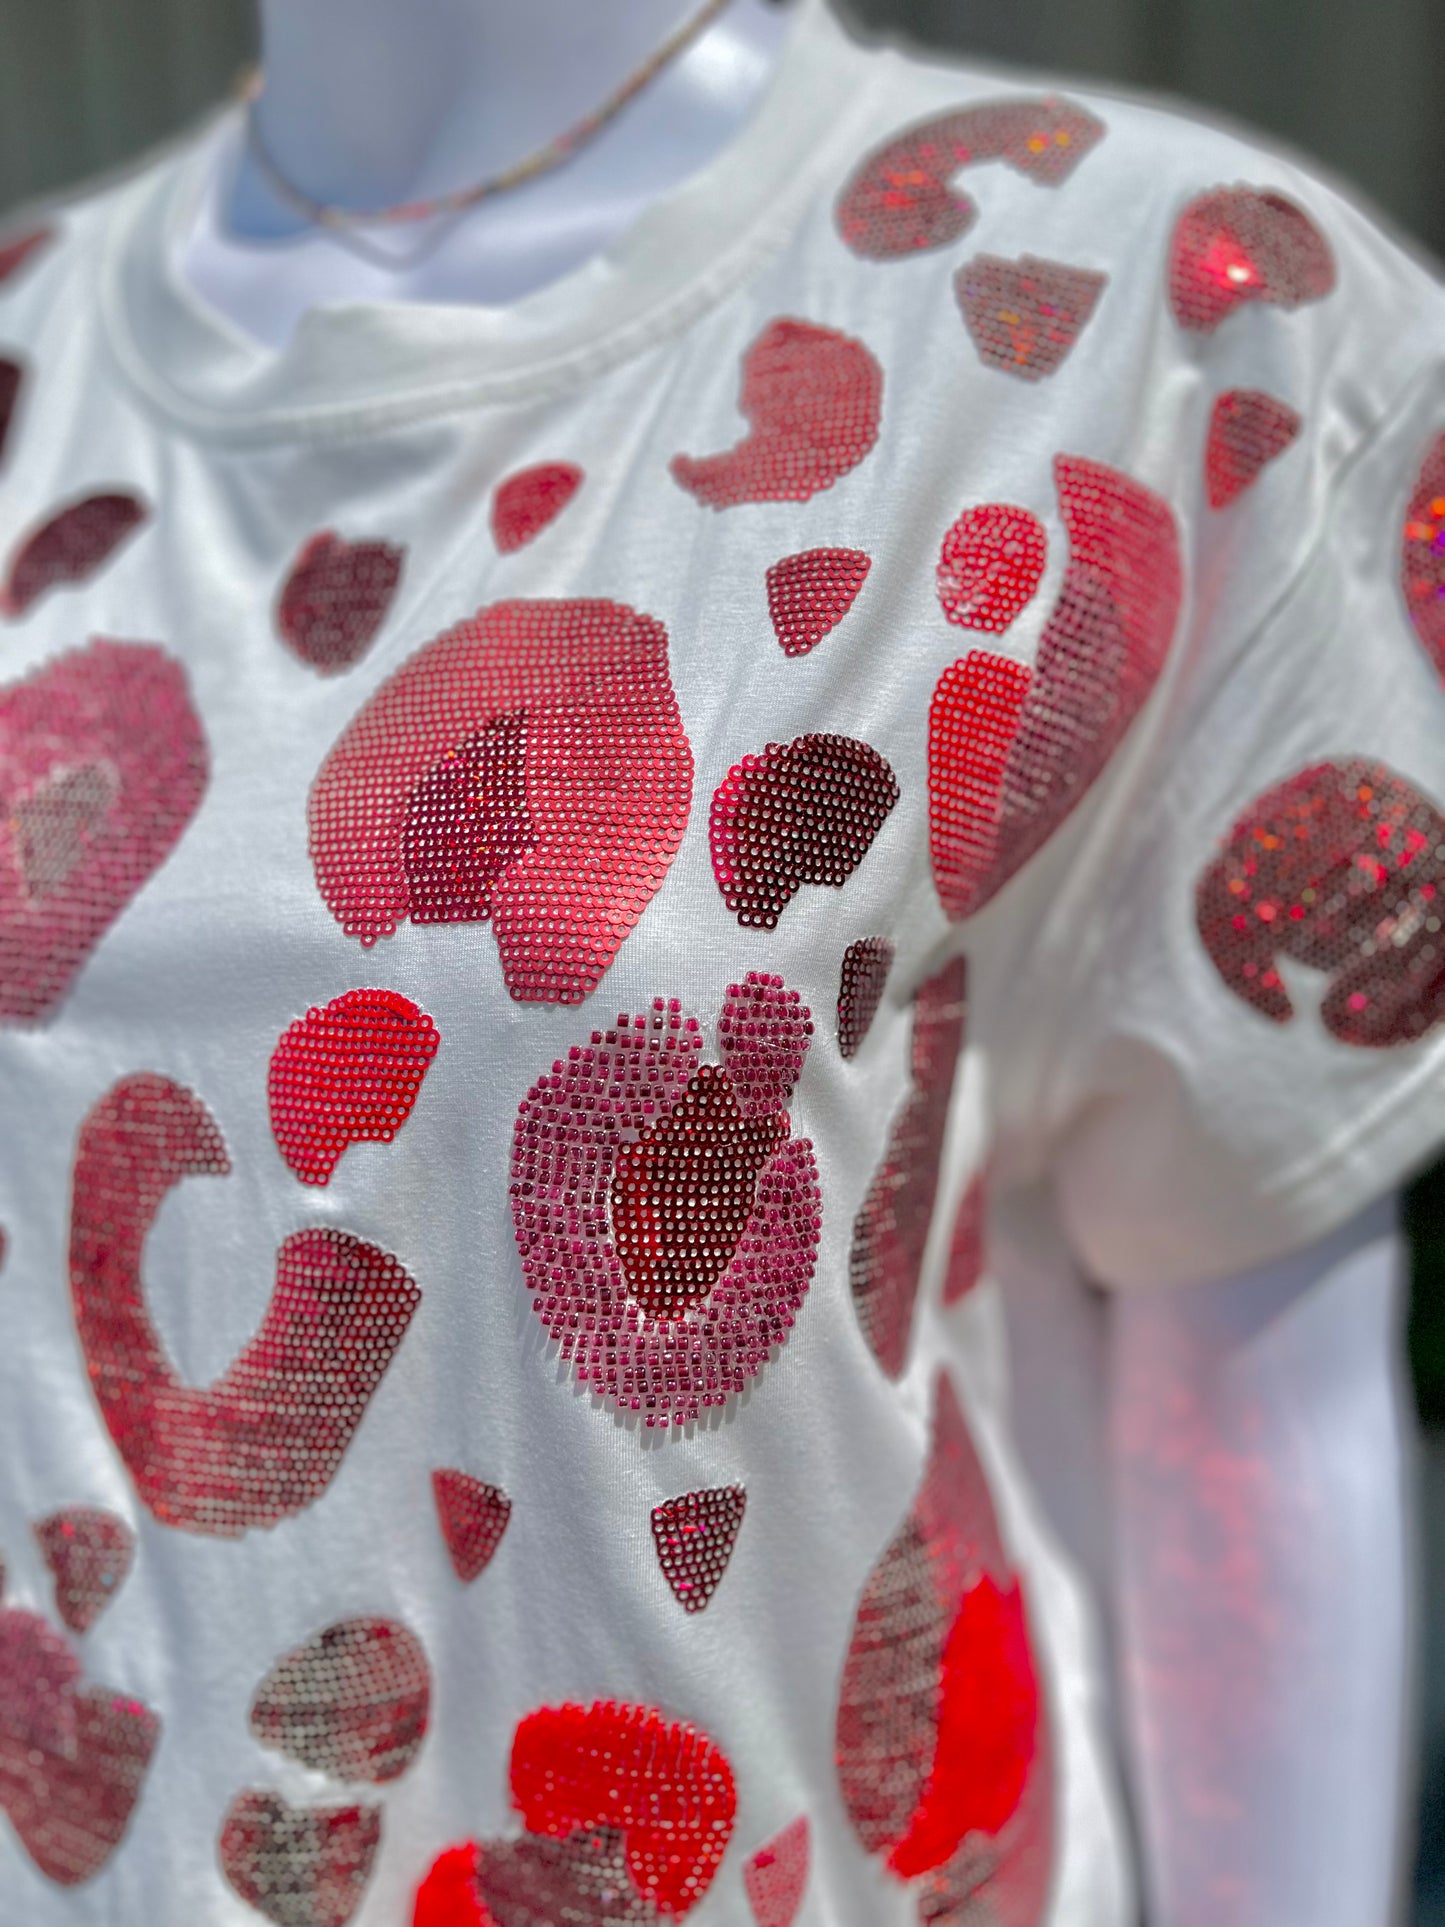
(265, 1440)
(777, 1876)
(530, 768)
(812, 400)
(69, 547)
(810, 593)
(12, 380)
(348, 1073)
(891, 1229)
(694, 1537)
(966, 1247)
(667, 1219)
(14, 254)
(473, 1516)
(1013, 749)
(1024, 316)
(1240, 244)
(526, 502)
(900, 199)
(73, 1759)
(353, 1702)
(1248, 429)
(1340, 867)
(1422, 561)
(801, 812)
(990, 565)
(941, 1743)
(102, 766)
(336, 598)
(861, 983)
(89, 1553)
(299, 1866)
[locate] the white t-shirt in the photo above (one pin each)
(596, 832)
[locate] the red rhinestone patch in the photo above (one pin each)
(695, 1536)
(899, 200)
(14, 254)
(352, 1702)
(669, 1278)
(528, 767)
(990, 566)
(1247, 430)
(1423, 554)
(89, 1552)
(526, 502)
(891, 1229)
(801, 812)
(1240, 244)
(336, 598)
(812, 400)
(473, 1517)
(347, 1074)
(265, 1440)
(810, 593)
(70, 547)
(102, 766)
(1013, 750)
(12, 380)
(1342, 868)
(1024, 316)
(777, 1875)
(299, 1866)
(866, 965)
(965, 1252)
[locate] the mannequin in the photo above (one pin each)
(1291, 1470)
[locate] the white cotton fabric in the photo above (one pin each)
(1187, 1136)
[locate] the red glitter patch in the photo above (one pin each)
(1024, 316)
(1423, 554)
(449, 1895)
(347, 1074)
(891, 1229)
(1342, 868)
(299, 1866)
(473, 1517)
(965, 1254)
(70, 547)
(777, 1875)
(530, 767)
(1240, 244)
(336, 598)
(1247, 430)
(810, 593)
(352, 1702)
(102, 766)
(990, 566)
(14, 254)
(1012, 751)
(266, 1439)
(526, 502)
(812, 400)
(89, 1553)
(900, 199)
(12, 379)
(695, 1536)
(866, 965)
(801, 812)
(707, 1325)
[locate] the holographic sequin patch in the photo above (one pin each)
(965, 1251)
(347, 1074)
(1342, 868)
(1013, 750)
(812, 400)
(70, 547)
(336, 598)
(526, 502)
(102, 765)
(89, 1553)
(801, 812)
(14, 254)
(810, 593)
(1247, 430)
(473, 1516)
(990, 565)
(694, 1537)
(352, 1702)
(528, 767)
(12, 380)
(866, 965)
(266, 1439)
(1240, 244)
(1024, 316)
(900, 199)
(659, 1325)
(1423, 554)
(299, 1866)
(940, 1720)
(73, 1760)
(776, 1877)
(891, 1229)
